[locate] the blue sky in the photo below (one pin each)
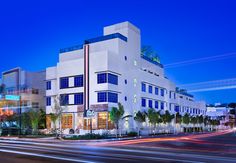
(32, 32)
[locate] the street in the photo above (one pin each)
(208, 147)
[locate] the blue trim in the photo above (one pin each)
(150, 60)
(186, 94)
(107, 37)
(93, 40)
(72, 48)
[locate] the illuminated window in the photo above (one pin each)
(135, 82)
(48, 121)
(102, 120)
(66, 121)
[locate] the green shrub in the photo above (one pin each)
(132, 134)
(86, 137)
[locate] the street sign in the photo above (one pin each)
(90, 113)
(12, 97)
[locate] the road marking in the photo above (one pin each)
(46, 156)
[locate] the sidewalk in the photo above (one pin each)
(54, 140)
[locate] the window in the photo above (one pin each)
(35, 91)
(48, 85)
(66, 121)
(112, 97)
(156, 104)
(125, 81)
(143, 102)
(113, 79)
(176, 108)
(107, 77)
(162, 92)
(126, 58)
(78, 81)
(150, 89)
(102, 96)
(102, 78)
(170, 94)
(156, 90)
(64, 82)
(78, 98)
(35, 105)
(125, 98)
(143, 87)
(162, 105)
(174, 96)
(150, 103)
(64, 99)
(48, 101)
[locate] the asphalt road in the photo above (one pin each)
(211, 147)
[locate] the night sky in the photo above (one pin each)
(32, 32)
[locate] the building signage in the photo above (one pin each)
(90, 113)
(12, 97)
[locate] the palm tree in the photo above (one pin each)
(186, 119)
(193, 121)
(154, 118)
(116, 114)
(178, 120)
(140, 117)
(167, 117)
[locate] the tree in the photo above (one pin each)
(167, 117)
(116, 114)
(42, 120)
(186, 119)
(140, 117)
(56, 114)
(194, 120)
(178, 118)
(154, 117)
(34, 119)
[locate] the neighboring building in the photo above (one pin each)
(219, 112)
(22, 89)
(111, 69)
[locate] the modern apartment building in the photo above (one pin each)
(23, 90)
(109, 69)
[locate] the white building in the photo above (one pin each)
(107, 70)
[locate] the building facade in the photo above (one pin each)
(111, 69)
(22, 90)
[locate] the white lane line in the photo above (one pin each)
(118, 156)
(135, 150)
(101, 155)
(46, 156)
